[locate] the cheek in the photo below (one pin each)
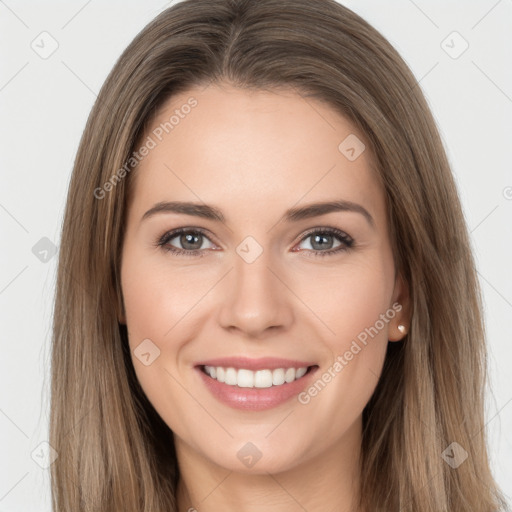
(158, 306)
(349, 299)
(158, 298)
(353, 307)
(165, 311)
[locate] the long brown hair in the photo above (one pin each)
(114, 450)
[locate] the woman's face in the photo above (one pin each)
(269, 284)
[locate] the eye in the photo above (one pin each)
(190, 239)
(322, 238)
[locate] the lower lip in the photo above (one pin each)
(255, 399)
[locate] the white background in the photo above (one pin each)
(44, 104)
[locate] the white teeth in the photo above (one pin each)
(231, 377)
(289, 375)
(263, 379)
(245, 379)
(259, 379)
(278, 377)
(300, 372)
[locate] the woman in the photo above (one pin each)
(254, 372)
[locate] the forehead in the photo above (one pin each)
(254, 149)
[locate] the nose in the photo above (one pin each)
(256, 299)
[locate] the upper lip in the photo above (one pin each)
(263, 363)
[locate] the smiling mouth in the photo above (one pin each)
(264, 378)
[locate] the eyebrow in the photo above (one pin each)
(292, 215)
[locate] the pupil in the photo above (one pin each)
(188, 241)
(317, 238)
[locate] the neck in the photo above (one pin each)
(327, 482)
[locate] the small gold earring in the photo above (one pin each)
(402, 329)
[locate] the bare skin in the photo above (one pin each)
(254, 155)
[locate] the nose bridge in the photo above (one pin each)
(255, 298)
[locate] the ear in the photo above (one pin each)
(399, 326)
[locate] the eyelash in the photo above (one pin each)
(347, 242)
